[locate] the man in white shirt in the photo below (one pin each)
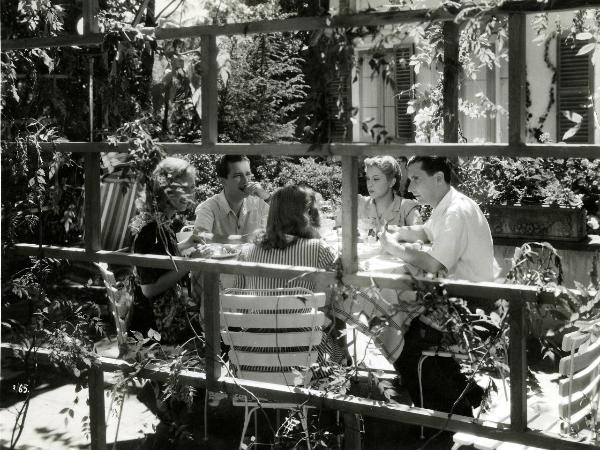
(457, 229)
(462, 248)
(240, 208)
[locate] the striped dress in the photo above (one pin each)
(303, 252)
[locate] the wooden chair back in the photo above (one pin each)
(579, 388)
(271, 332)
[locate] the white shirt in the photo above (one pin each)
(216, 216)
(461, 238)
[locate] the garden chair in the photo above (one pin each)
(578, 393)
(117, 200)
(274, 351)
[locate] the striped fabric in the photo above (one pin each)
(304, 252)
(117, 200)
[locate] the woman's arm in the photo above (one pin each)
(166, 281)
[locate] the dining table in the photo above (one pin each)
(381, 315)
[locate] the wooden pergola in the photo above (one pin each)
(517, 295)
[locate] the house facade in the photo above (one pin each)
(560, 83)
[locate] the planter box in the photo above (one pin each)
(538, 222)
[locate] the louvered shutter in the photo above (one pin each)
(574, 87)
(337, 91)
(404, 79)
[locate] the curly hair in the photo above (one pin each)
(293, 212)
(167, 176)
(388, 165)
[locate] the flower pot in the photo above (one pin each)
(538, 222)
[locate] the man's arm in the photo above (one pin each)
(410, 253)
(412, 233)
(204, 219)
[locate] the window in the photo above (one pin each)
(386, 102)
(574, 85)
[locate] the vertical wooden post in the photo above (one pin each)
(517, 133)
(349, 213)
(517, 80)
(92, 225)
(212, 326)
(209, 90)
(352, 438)
(451, 34)
(96, 399)
(518, 366)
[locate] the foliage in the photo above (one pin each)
(502, 180)
(321, 176)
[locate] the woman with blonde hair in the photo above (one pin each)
(384, 205)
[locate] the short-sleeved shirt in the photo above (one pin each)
(148, 241)
(303, 252)
(216, 216)
(461, 238)
(396, 214)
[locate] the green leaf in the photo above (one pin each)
(584, 36)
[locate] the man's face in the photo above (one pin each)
(422, 185)
(238, 177)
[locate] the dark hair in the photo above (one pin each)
(293, 211)
(433, 164)
(222, 166)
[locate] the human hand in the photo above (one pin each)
(191, 241)
(254, 188)
(387, 238)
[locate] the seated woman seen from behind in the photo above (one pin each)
(291, 238)
(161, 297)
(384, 204)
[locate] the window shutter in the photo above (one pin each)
(574, 87)
(404, 79)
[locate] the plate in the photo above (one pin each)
(226, 256)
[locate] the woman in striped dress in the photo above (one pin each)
(292, 238)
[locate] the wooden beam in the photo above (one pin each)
(518, 366)
(591, 151)
(209, 88)
(451, 33)
(517, 79)
(96, 400)
(463, 289)
(322, 400)
(212, 322)
(300, 24)
(349, 213)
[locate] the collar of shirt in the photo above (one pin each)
(390, 213)
(224, 204)
(444, 203)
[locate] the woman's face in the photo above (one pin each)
(378, 184)
(181, 193)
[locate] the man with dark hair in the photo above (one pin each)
(457, 229)
(240, 208)
(461, 247)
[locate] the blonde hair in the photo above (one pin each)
(388, 165)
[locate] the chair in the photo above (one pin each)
(578, 390)
(270, 334)
(578, 393)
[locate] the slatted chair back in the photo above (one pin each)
(579, 389)
(270, 332)
(117, 200)
(120, 301)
